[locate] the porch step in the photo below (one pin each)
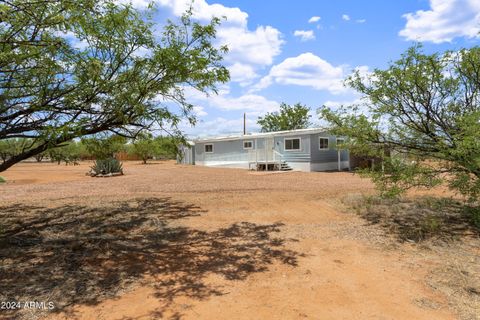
(285, 167)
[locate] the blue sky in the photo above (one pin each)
(300, 51)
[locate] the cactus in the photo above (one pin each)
(106, 166)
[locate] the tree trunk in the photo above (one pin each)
(20, 157)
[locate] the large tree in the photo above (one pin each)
(421, 116)
(71, 68)
(288, 118)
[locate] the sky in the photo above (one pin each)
(301, 51)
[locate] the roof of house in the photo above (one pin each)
(261, 135)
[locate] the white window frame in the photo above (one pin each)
(336, 142)
(247, 148)
(328, 144)
(205, 147)
(293, 138)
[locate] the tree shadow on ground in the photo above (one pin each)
(420, 218)
(75, 254)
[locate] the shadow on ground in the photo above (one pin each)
(418, 219)
(82, 255)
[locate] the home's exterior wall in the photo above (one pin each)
(225, 154)
(230, 153)
(325, 160)
(302, 155)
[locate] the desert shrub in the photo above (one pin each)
(106, 166)
(2, 180)
(418, 219)
(474, 214)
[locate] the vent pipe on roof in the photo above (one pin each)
(244, 123)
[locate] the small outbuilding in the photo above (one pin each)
(304, 150)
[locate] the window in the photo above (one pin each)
(323, 143)
(209, 148)
(292, 144)
(247, 144)
(340, 141)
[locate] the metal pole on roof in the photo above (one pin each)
(244, 123)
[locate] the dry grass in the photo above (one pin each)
(444, 231)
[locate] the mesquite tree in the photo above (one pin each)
(424, 110)
(72, 68)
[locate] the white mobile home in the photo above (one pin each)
(305, 150)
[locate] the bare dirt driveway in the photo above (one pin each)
(167, 241)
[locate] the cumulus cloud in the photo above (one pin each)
(346, 17)
(257, 47)
(244, 74)
(199, 111)
(225, 101)
(304, 35)
(314, 19)
(446, 20)
(308, 70)
(361, 20)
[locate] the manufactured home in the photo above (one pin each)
(304, 150)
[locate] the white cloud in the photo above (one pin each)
(304, 35)
(242, 73)
(225, 101)
(361, 20)
(314, 19)
(346, 17)
(446, 20)
(199, 111)
(308, 70)
(256, 47)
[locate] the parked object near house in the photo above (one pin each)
(304, 150)
(186, 153)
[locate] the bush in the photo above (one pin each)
(2, 180)
(474, 215)
(107, 166)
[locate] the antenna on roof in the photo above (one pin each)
(244, 123)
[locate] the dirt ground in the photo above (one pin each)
(167, 241)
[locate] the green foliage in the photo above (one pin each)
(2, 179)
(72, 69)
(288, 118)
(474, 214)
(168, 147)
(107, 166)
(144, 147)
(11, 147)
(421, 116)
(71, 152)
(104, 147)
(397, 175)
(147, 147)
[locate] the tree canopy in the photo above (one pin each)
(424, 109)
(288, 118)
(69, 69)
(145, 146)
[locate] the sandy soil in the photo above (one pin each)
(243, 245)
